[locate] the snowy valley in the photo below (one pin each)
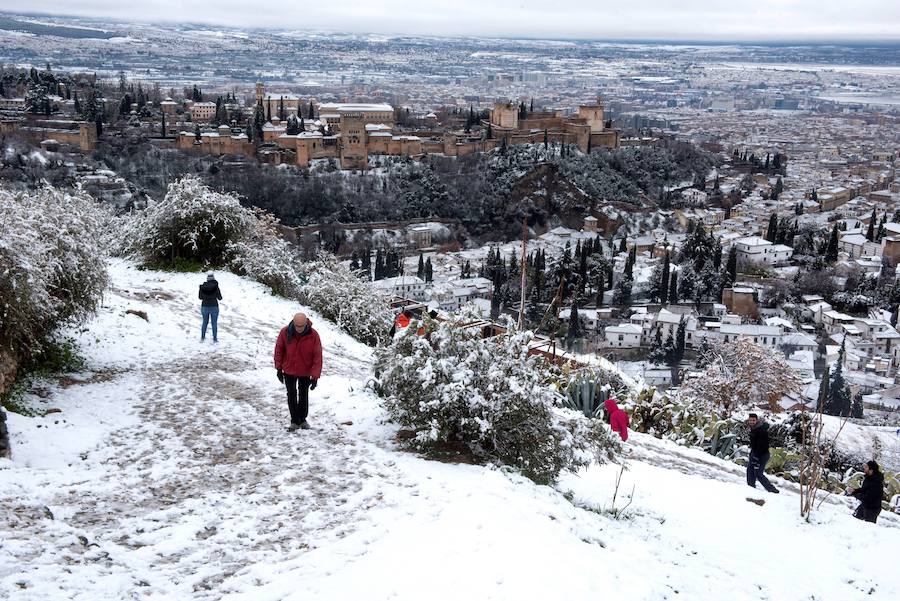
(167, 473)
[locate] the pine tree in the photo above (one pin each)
(673, 288)
(622, 292)
(281, 114)
(163, 126)
(870, 233)
(420, 272)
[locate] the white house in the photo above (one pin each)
(406, 286)
(765, 335)
(623, 336)
(759, 250)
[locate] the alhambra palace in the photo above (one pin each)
(352, 132)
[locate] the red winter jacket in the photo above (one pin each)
(618, 419)
(302, 356)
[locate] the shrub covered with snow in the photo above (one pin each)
(340, 295)
(190, 222)
(262, 254)
(52, 263)
(740, 374)
(450, 385)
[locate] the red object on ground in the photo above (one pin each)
(618, 419)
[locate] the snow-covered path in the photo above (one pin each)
(168, 474)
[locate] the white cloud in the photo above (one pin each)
(656, 19)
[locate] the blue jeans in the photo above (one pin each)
(756, 470)
(207, 313)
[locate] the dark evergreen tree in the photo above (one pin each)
(838, 396)
(673, 288)
(429, 271)
(856, 409)
(772, 230)
(420, 272)
(870, 233)
(575, 331)
(831, 251)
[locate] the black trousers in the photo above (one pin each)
(866, 514)
(298, 397)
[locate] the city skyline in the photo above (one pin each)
(696, 20)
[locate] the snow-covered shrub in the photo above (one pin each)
(679, 420)
(52, 263)
(450, 385)
(739, 374)
(265, 256)
(338, 294)
(191, 222)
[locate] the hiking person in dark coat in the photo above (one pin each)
(298, 359)
(869, 493)
(759, 453)
(209, 308)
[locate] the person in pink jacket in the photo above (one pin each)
(618, 419)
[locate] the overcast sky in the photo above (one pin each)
(623, 19)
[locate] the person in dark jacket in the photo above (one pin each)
(759, 453)
(869, 493)
(210, 295)
(298, 361)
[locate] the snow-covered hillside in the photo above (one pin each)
(168, 474)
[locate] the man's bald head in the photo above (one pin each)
(300, 321)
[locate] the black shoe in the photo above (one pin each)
(775, 491)
(293, 427)
(305, 425)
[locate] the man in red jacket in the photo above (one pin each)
(618, 419)
(298, 359)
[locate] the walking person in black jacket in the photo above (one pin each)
(209, 308)
(869, 493)
(759, 453)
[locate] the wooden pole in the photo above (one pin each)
(522, 269)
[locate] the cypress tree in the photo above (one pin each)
(673, 288)
(420, 272)
(664, 281)
(772, 230)
(856, 410)
(870, 233)
(429, 272)
(831, 251)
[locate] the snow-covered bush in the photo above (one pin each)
(340, 295)
(191, 222)
(681, 421)
(450, 385)
(52, 266)
(265, 256)
(739, 374)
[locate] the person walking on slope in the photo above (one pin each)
(298, 359)
(869, 493)
(618, 419)
(759, 453)
(210, 295)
